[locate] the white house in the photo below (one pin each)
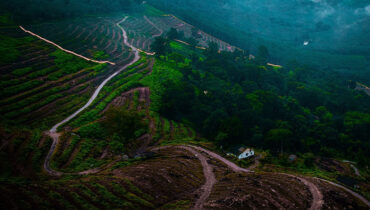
(246, 154)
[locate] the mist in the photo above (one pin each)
(303, 30)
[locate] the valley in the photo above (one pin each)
(112, 111)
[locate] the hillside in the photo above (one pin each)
(141, 110)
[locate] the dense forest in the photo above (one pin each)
(234, 100)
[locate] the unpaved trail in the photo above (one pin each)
(348, 190)
(53, 131)
(208, 175)
(65, 50)
(357, 172)
(156, 27)
(230, 164)
(317, 197)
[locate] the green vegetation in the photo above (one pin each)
(98, 54)
(42, 86)
(234, 100)
(5, 19)
(124, 126)
(224, 97)
(121, 83)
(8, 48)
(22, 71)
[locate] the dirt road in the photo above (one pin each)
(348, 190)
(208, 174)
(53, 131)
(230, 164)
(317, 197)
(156, 27)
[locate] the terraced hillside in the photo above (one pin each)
(85, 167)
(166, 21)
(42, 81)
(78, 78)
(142, 32)
(97, 38)
(40, 85)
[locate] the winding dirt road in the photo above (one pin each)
(208, 174)
(317, 197)
(230, 164)
(156, 27)
(348, 190)
(53, 131)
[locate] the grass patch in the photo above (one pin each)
(99, 54)
(22, 71)
(6, 20)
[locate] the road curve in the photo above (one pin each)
(317, 197)
(53, 131)
(207, 171)
(156, 27)
(230, 164)
(208, 174)
(348, 190)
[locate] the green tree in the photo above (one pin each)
(278, 138)
(262, 55)
(172, 34)
(161, 46)
(124, 126)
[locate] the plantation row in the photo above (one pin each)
(43, 79)
(92, 193)
(79, 152)
(98, 38)
(22, 151)
(168, 21)
(166, 180)
(86, 148)
(140, 32)
(40, 80)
